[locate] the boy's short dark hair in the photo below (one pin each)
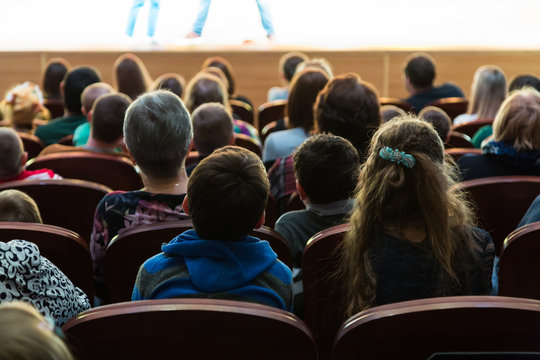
(327, 167)
(108, 115)
(289, 62)
(227, 194)
(420, 69)
(439, 119)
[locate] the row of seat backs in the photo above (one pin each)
(210, 329)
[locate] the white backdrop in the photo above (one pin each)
(371, 24)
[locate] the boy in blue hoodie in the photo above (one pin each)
(226, 198)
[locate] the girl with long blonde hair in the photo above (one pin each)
(412, 234)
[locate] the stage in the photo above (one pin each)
(370, 38)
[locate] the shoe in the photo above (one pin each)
(192, 35)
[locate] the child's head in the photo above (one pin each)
(108, 114)
(212, 127)
(439, 119)
(326, 168)
(12, 155)
(17, 206)
(227, 193)
(24, 102)
(288, 63)
(26, 334)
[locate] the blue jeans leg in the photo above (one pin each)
(152, 17)
(132, 17)
(266, 17)
(202, 14)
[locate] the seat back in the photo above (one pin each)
(66, 140)
(458, 140)
(472, 127)
(319, 264)
(141, 243)
(247, 142)
(456, 153)
(190, 329)
(416, 329)
(270, 111)
(402, 104)
(32, 144)
(501, 202)
(268, 129)
(519, 268)
(67, 203)
(64, 248)
(453, 106)
(116, 172)
(242, 109)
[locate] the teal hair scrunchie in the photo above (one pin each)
(399, 157)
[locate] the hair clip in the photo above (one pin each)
(399, 157)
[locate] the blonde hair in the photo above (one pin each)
(488, 91)
(18, 206)
(26, 334)
(518, 120)
(393, 197)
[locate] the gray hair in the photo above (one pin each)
(158, 132)
(11, 152)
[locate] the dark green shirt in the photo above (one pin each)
(58, 128)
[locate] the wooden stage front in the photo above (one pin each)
(256, 68)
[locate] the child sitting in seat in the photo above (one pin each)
(13, 159)
(226, 198)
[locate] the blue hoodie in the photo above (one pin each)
(245, 270)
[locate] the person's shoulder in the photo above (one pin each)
(291, 217)
(451, 89)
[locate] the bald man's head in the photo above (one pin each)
(92, 92)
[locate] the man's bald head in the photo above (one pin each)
(92, 92)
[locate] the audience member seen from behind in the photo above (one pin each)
(410, 237)
(515, 148)
(76, 80)
(131, 76)
(157, 133)
(326, 171)
(204, 88)
(23, 107)
(488, 92)
(13, 159)
(305, 86)
(26, 334)
(212, 129)
(485, 133)
(439, 119)
(346, 107)
(175, 83)
(219, 259)
(388, 112)
(420, 74)
(287, 69)
(106, 133)
(88, 97)
(31, 277)
(55, 71)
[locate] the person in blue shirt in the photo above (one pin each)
(226, 198)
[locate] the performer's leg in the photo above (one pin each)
(132, 18)
(152, 17)
(266, 17)
(202, 14)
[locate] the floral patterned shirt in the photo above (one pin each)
(119, 211)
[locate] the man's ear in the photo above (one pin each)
(89, 115)
(24, 159)
(185, 205)
(232, 139)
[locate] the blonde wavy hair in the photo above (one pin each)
(394, 198)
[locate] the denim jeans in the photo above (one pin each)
(264, 12)
(152, 16)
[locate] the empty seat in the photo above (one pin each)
(419, 328)
(190, 329)
(453, 106)
(242, 109)
(270, 111)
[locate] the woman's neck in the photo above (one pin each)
(174, 186)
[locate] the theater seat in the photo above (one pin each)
(189, 329)
(32, 144)
(453, 106)
(63, 247)
(419, 328)
(116, 172)
(270, 111)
